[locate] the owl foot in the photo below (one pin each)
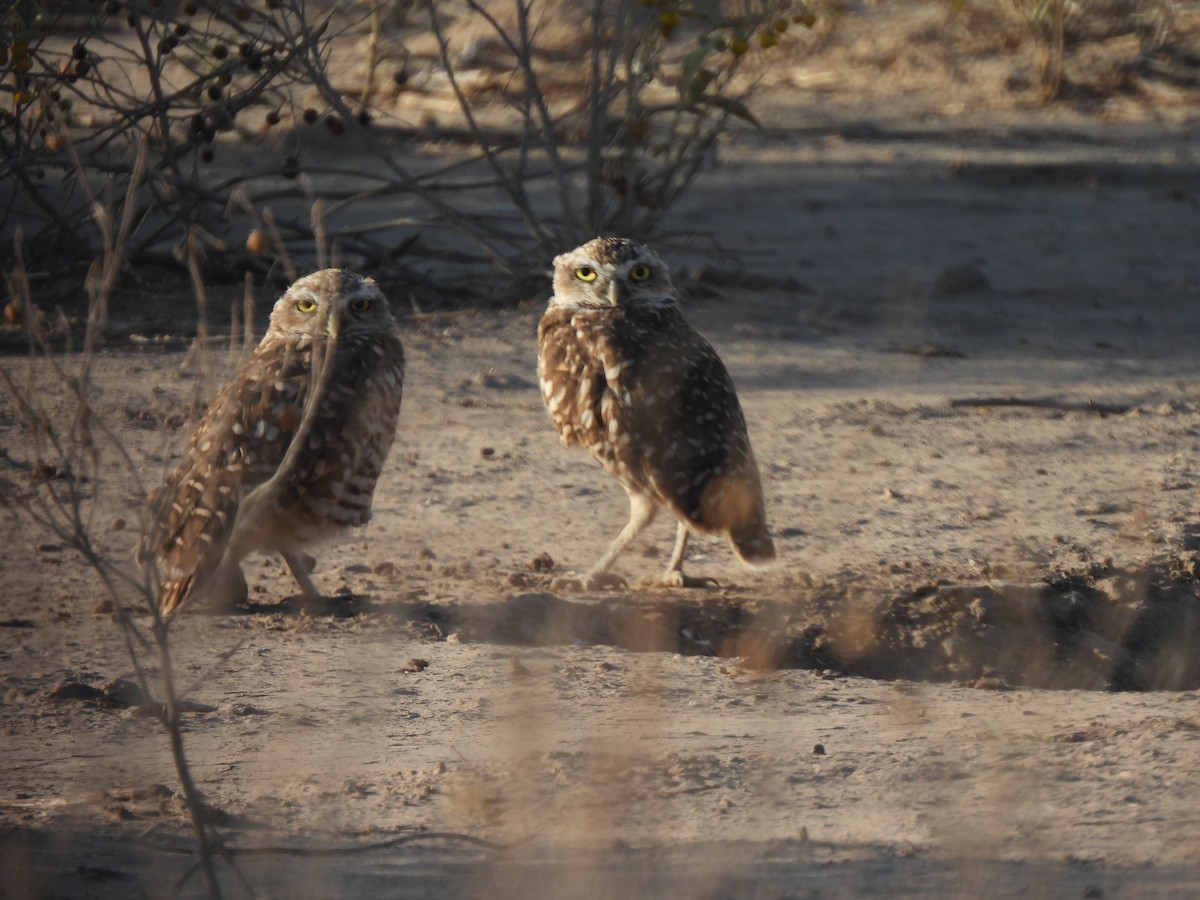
(676, 578)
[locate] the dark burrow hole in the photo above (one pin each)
(1109, 630)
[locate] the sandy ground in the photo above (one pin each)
(919, 700)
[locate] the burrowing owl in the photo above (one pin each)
(289, 451)
(626, 377)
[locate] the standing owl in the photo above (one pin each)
(289, 451)
(626, 377)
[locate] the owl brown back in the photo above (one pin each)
(349, 364)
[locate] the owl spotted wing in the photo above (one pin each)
(571, 376)
(667, 389)
(238, 445)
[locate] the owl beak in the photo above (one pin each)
(332, 325)
(614, 293)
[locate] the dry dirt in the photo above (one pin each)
(965, 340)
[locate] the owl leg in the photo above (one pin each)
(642, 509)
(673, 576)
(307, 587)
(223, 591)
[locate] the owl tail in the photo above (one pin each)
(172, 593)
(753, 545)
(733, 503)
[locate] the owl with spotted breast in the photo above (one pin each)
(626, 377)
(288, 454)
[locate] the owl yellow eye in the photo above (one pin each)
(585, 273)
(639, 273)
(362, 304)
(306, 306)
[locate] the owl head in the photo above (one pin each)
(607, 273)
(331, 303)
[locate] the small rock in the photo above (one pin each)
(414, 665)
(505, 382)
(543, 562)
(77, 691)
(354, 788)
(818, 750)
(196, 707)
(244, 709)
(957, 280)
(123, 693)
(988, 683)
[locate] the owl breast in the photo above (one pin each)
(332, 483)
(649, 399)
